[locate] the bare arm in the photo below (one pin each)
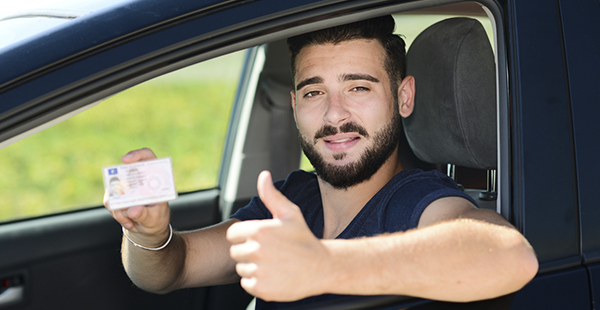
(458, 253)
(193, 258)
(455, 260)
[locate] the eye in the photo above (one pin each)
(313, 93)
(360, 89)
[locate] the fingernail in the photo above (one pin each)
(128, 225)
(128, 155)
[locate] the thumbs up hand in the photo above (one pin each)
(278, 259)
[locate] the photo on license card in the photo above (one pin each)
(140, 183)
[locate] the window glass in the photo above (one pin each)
(183, 115)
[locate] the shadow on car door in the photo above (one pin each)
(72, 261)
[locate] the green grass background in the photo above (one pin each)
(182, 115)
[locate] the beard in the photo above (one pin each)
(373, 157)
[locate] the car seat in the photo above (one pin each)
(454, 118)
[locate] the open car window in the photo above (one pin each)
(183, 115)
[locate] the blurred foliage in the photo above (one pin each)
(59, 169)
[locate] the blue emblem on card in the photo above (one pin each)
(112, 171)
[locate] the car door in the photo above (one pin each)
(57, 241)
(579, 21)
(550, 171)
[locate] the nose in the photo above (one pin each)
(337, 111)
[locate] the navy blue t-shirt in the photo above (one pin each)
(396, 207)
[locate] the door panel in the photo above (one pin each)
(580, 27)
(560, 290)
(542, 144)
(72, 261)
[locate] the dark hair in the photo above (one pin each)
(379, 28)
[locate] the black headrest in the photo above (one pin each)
(454, 118)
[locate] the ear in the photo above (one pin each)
(406, 96)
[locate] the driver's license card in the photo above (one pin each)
(141, 183)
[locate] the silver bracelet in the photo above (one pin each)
(147, 248)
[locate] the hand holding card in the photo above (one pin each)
(140, 183)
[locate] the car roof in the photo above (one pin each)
(20, 20)
(92, 26)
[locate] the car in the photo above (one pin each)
(77, 94)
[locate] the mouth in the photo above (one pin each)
(341, 142)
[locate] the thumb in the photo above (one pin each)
(276, 202)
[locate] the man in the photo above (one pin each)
(424, 237)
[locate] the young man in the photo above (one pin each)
(299, 239)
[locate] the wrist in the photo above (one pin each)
(149, 242)
(353, 266)
(335, 266)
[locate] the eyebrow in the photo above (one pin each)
(312, 80)
(358, 76)
(343, 78)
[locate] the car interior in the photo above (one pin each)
(453, 128)
(455, 109)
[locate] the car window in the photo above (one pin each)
(411, 24)
(183, 115)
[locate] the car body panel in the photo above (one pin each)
(583, 64)
(538, 106)
(548, 291)
(20, 20)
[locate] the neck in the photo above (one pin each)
(340, 206)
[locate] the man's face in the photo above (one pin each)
(345, 112)
(116, 187)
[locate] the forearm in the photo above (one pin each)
(192, 259)
(459, 260)
(155, 271)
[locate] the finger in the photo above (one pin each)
(105, 199)
(240, 231)
(138, 155)
(118, 215)
(150, 219)
(121, 217)
(246, 270)
(274, 200)
(244, 252)
(135, 212)
(249, 284)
